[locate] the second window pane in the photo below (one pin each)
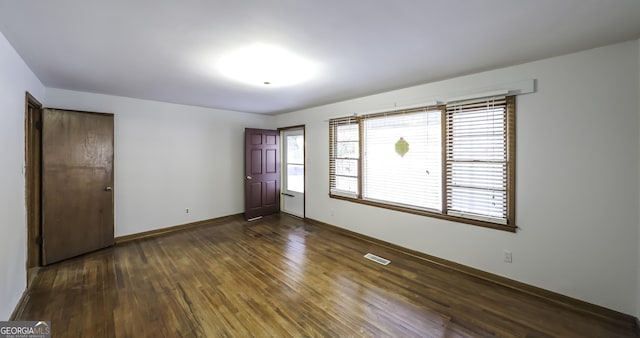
(403, 159)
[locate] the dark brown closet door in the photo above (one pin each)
(77, 183)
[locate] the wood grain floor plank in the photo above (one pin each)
(283, 277)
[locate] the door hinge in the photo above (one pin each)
(39, 240)
(39, 125)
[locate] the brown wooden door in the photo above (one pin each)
(262, 172)
(77, 183)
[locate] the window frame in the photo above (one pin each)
(363, 160)
(510, 169)
(286, 133)
(334, 124)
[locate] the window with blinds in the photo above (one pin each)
(411, 178)
(344, 156)
(454, 162)
(477, 161)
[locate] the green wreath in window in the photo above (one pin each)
(402, 147)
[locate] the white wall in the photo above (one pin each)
(169, 157)
(577, 178)
(638, 280)
(15, 79)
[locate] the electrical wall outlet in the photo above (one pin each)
(186, 211)
(508, 258)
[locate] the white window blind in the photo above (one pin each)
(455, 162)
(476, 159)
(344, 156)
(391, 175)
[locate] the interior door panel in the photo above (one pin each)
(77, 183)
(262, 172)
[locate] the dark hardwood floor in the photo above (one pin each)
(283, 277)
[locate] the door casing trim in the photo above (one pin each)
(33, 184)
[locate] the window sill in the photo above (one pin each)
(509, 228)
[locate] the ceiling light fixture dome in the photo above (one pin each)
(261, 65)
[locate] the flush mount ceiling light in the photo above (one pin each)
(264, 65)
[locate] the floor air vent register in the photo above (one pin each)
(377, 259)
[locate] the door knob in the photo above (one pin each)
(107, 189)
(249, 177)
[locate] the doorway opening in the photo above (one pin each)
(293, 170)
(262, 173)
(33, 184)
(68, 183)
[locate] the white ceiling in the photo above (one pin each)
(166, 50)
